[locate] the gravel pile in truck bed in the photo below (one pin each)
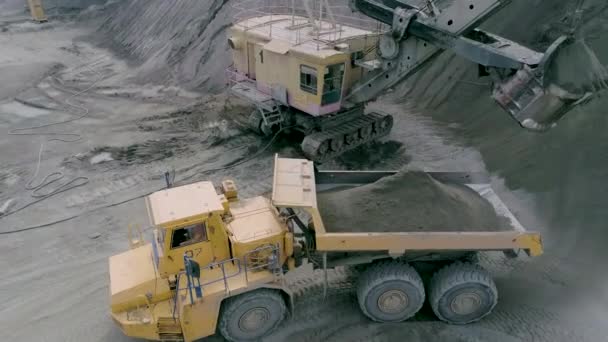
(408, 201)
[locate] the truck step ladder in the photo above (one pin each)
(169, 329)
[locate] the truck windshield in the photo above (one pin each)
(332, 83)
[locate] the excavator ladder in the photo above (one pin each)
(271, 118)
(267, 116)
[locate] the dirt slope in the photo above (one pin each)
(175, 41)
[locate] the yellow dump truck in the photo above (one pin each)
(217, 262)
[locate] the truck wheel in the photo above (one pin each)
(252, 315)
(462, 293)
(390, 292)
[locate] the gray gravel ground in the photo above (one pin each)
(54, 285)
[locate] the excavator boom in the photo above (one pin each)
(419, 32)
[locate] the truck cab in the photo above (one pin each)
(237, 245)
(188, 221)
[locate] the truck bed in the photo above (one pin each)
(296, 184)
(409, 202)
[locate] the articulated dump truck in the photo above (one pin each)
(217, 262)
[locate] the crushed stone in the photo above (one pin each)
(405, 202)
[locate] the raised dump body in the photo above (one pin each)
(297, 185)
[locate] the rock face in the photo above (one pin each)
(409, 201)
(179, 42)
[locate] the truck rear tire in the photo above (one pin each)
(390, 291)
(252, 315)
(462, 293)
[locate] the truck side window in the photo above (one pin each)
(189, 235)
(308, 79)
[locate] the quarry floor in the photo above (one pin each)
(125, 136)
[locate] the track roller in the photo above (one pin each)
(333, 141)
(462, 293)
(390, 291)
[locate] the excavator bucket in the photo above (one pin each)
(531, 100)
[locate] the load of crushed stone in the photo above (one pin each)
(408, 201)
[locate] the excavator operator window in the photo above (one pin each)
(308, 79)
(188, 235)
(332, 84)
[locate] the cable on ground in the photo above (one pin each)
(253, 156)
(56, 176)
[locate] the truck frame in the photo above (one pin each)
(234, 280)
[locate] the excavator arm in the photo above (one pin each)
(419, 32)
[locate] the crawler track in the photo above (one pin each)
(333, 141)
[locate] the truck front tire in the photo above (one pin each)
(390, 291)
(252, 315)
(462, 293)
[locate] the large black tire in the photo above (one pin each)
(252, 315)
(390, 291)
(462, 293)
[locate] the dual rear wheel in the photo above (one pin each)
(393, 291)
(390, 291)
